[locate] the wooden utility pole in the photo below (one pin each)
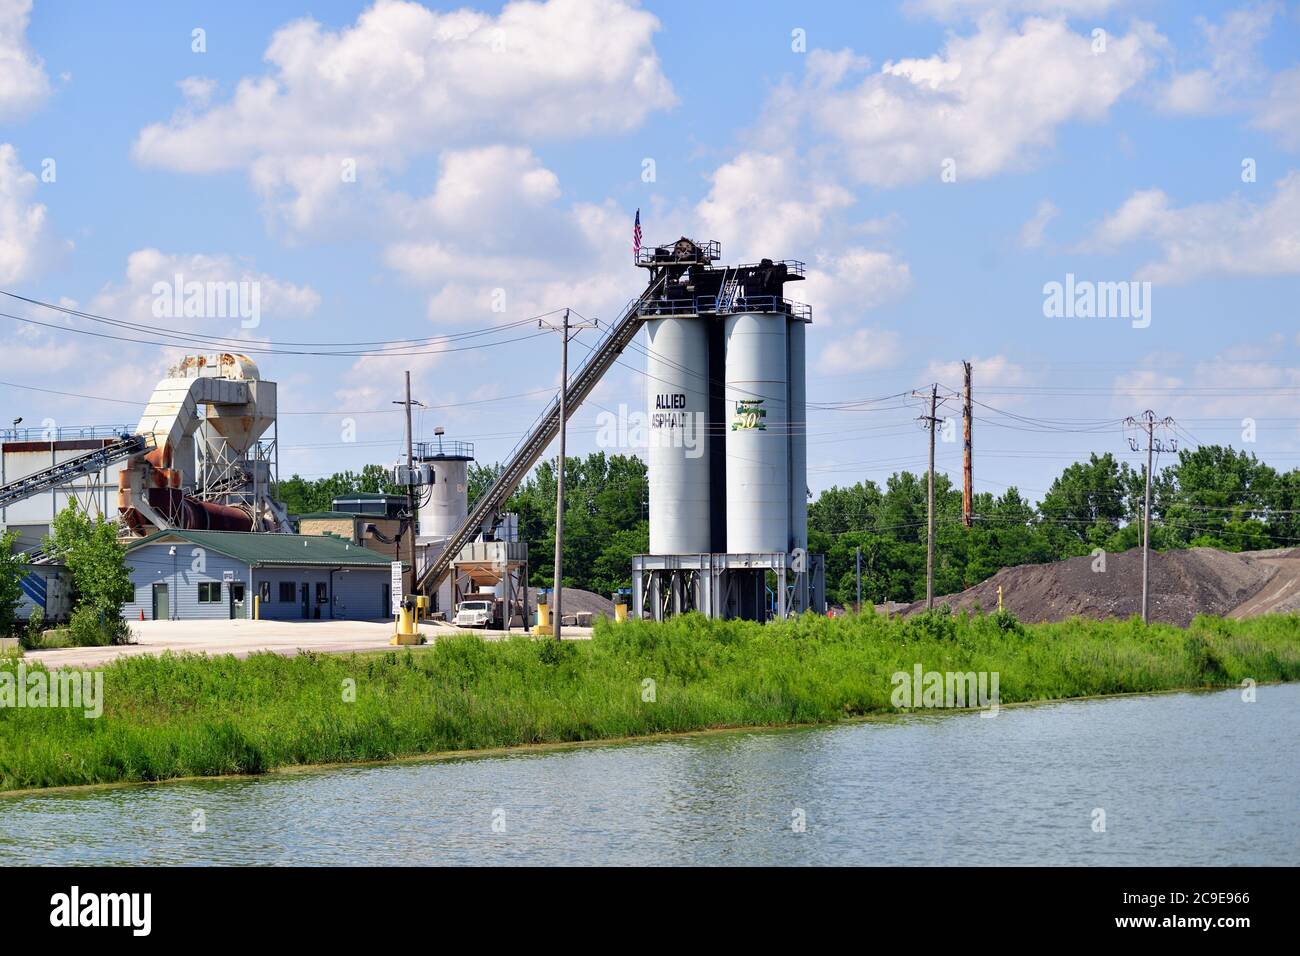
(967, 470)
(564, 329)
(1148, 423)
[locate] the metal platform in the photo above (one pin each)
(728, 586)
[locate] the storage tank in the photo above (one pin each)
(677, 377)
(757, 438)
(798, 436)
(447, 503)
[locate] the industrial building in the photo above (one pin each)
(193, 575)
(726, 396)
(727, 464)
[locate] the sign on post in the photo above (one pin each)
(397, 585)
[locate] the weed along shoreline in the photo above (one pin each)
(175, 717)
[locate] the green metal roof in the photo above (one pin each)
(274, 549)
(368, 515)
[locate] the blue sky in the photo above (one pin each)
(502, 147)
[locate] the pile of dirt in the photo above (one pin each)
(576, 601)
(1183, 584)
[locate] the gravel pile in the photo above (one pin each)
(1183, 584)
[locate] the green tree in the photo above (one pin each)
(11, 591)
(96, 559)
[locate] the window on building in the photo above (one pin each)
(264, 591)
(209, 592)
(286, 592)
(322, 593)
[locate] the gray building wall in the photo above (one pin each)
(356, 593)
(152, 564)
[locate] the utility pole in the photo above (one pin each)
(967, 470)
(1147, 423)
(565, 329)
(930, 421)
(929, 532)
(857, 572)
(409, 588)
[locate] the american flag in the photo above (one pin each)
(636, 235)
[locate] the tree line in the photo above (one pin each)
(1211, 496)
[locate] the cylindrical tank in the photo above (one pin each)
(758, 455)
(798, 437)
(448, 503)
(677, 403)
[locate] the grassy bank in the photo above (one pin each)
(176, 716)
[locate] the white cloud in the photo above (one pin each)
(863, 350)
(197, 90)
(841, 286)
(958, 9)
(133, 298)
(27, 241)
(993, 372)
(1031, 233)
(1278, 111)
(1233, 65)
(991, 100)
(1228, 237)
(760, 205)
(23, 83)
(404, 80)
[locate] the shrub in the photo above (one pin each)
(91, 628)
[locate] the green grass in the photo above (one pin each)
(187, 715)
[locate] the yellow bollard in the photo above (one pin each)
(620, 612)
(999, 597)
(407, 632)
(543, 620)
(257, 607)
(421, 607)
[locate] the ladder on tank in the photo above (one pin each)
(543, 432)
(68, 471)
(727, 294)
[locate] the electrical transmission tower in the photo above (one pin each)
(1146, 425)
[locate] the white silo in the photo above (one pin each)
(677, 396)
(757, 437)
(798, 436)
(447, 504)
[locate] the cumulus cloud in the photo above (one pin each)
(843, 285)
(27, 241)
(23, 83)
(991, 100)
(404, 80)
(958, 9)
(134, 297)
(1227, 237)
(760, 204)
(1278, 110)
(863, 350)
(1032, 232)
(1232, 66)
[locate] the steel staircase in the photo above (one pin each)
(727, 294)
(535, 442)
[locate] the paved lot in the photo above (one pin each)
(242, 638)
